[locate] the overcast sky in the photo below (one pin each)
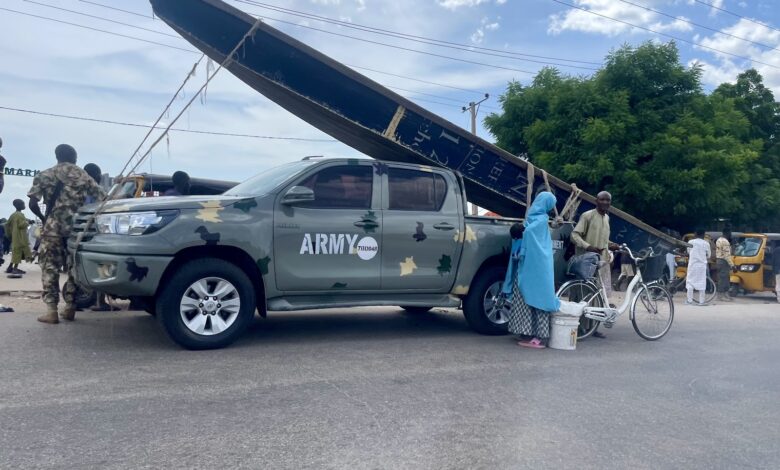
(65, 69)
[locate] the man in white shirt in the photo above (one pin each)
(698, 255)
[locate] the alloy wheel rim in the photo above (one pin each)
(209, 306)
(496, 310)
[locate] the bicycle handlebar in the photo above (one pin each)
(624, 248)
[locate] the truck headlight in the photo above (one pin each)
(749, 268)
(134, 223)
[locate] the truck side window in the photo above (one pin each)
(341, 187)
(413, 190)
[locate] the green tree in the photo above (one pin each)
(642, 128)
(761, 194)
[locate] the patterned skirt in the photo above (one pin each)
(526, 320)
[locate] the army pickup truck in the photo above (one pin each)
(312, 234)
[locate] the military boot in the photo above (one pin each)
(51, 315)
(69, 313)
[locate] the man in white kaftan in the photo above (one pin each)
(698, 256)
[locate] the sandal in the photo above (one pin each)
(535, 343)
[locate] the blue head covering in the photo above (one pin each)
(536, 276)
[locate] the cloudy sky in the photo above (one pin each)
(65, 68)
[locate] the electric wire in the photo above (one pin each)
(103, 19)
(402, 48)
(118, 9)
(676, 38)
(736, 15)
(146, 126)
(425, 40)
(698, 25)
(99, 30)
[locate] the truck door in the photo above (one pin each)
(330, 243)
(421, 240)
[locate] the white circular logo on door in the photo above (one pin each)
(367, 248)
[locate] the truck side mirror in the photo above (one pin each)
(298, 194)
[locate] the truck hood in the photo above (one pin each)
(163, 203)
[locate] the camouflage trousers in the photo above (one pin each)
(53, 255)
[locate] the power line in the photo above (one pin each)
(416, 79)
(432, 54)
(191, 51)
(425, 94)
(700, 25)
(104, 19)
(676, 38)
(736, 14)
(119, 9)
(99, 30)
(425, 40)
(191, 131)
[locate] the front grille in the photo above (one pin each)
(80, 226)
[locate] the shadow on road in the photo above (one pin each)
(136, 330)
(353, 325)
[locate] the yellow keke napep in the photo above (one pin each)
(754, 263)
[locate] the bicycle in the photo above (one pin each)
(678, 285)
(651, 306)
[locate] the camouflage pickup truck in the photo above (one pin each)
(316, 233)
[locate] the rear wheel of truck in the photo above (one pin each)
(207, 304)
(483, 307)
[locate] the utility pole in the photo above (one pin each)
(473, 108)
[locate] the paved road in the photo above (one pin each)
(382, 389)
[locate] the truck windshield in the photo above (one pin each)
(748, 247)
(268, 180)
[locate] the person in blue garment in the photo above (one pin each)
(531, 278)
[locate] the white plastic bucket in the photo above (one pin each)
(563, 332)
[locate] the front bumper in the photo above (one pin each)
(120, 275)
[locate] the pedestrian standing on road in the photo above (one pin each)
(592, 235)
(94, 172)
(776, 269)
(2, 168)
(626, 271)
(63, 188)
(533, 287)
(2, 241)
(16, 228)
(671, 266)
(181, 185)
(725, 265)
(696, 279)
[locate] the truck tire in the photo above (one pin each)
(417, 310)
(483, 287)
(85, 298)
(190, 306)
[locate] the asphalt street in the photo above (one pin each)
(378, 388)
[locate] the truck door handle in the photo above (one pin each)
(367, 223)
(443, 226)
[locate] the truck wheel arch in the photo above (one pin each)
(230, 254)
(494, 261)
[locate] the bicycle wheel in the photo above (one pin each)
(581, 291)
(652, 312)
(710, 291)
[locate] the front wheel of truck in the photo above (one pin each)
(483, 307)
(207, 304)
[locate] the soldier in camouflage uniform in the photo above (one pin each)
(63, 188)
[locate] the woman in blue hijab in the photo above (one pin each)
(531, 269)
